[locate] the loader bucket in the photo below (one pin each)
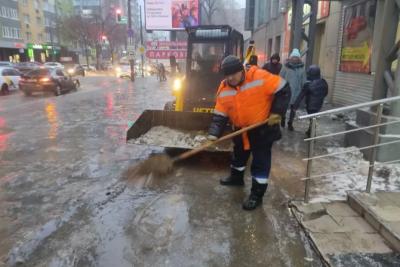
(191, 124)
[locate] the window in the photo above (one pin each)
(27, 18)
(59, 72)
(24, 2)
(40, 37)
(48, 37)
(207, 57)
(10, 72)
(10, 13)
(28, 36)
(13, 33)
(38, 21)
(277, 44)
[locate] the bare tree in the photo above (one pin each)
(210, 7)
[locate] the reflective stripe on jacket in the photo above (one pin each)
(251, 102)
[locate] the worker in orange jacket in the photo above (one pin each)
(244, 98)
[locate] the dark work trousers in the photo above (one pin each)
(260, 148)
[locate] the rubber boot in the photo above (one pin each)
(256, 195)
(235, 179)
(291, 119)
(283, 122)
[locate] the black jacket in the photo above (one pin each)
(314, 90)
(273, 68)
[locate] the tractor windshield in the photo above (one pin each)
(206, 57)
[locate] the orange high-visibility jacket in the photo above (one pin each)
(251, 102)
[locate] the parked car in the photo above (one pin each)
(27, 66)
(6, 64)
(76, 70)
(54, 65)
(53, 80)
(9, 79)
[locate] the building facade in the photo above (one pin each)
(11, 39)
(344, 40)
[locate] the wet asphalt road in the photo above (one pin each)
(62, 202)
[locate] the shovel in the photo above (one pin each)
(162, 164)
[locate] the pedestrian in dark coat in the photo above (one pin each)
(314, 91)
(273, 66)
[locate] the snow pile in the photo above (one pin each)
(164, 136)
(349, 171)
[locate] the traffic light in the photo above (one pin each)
(119, 15)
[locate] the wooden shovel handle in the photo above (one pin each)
(213, 143)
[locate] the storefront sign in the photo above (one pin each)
(165, 54)
(37, 46)
(359, 20)
(19, 45)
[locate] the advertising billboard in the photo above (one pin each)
(358, 26)
(171, 14)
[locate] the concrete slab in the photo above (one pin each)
(354, 225)
(309, 208)
(369, 243)
(339, 209)
(387, 213)
(332, 243)
(382, 212)
(323, 224)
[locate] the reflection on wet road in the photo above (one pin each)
(62, 202)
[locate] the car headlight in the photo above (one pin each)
(177, 86)
(71, 71)
(118, 69)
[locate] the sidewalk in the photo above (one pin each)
(343, 237)
(346, 229)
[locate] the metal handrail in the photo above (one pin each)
(350, 170)
(352, 131)
(352, 107)
(351, 150)
(376, 126)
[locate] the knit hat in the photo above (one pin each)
(295, 53)
(231, 65)
(276, 56)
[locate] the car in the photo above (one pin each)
(27, 66)
(76, 70)
(53, 80)
(88, 67)
(6, 64)
(54, 65)
(123, 70)
(9, 79)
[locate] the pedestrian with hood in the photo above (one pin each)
(246, 97)
(314, 91)
(274, 66)
(293, 72)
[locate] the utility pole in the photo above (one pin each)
(141, 36)
(130, 36)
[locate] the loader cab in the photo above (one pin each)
(207, 47)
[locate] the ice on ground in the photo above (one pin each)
(164, 136)
(351, 172)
